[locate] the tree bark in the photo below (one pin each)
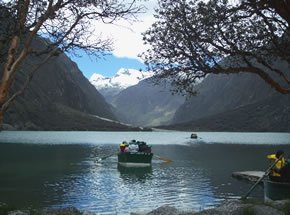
(4, 88)
(1, 120)
(7, 76)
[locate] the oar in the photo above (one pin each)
(105, 157)
(163, 158)
(260, 179)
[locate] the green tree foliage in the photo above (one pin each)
(194, 38)
(65, 25)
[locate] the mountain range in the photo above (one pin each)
(109, 87)
(59, 97)
(237, 102)
(147, 104)
(136, 99)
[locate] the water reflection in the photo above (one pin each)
(133, 174)
(25, 171)
(42, 175)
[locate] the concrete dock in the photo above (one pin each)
(251, 176)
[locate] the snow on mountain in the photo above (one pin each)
(123, 79)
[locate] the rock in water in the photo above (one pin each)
(164, 210)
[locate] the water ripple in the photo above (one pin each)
(70, 174)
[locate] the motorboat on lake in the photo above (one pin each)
(193, 136)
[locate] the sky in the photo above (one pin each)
(127, 46)
(107, 66)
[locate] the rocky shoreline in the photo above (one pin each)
(229, 207)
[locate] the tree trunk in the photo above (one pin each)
(5, 85)
(3, 99)
(1, 120)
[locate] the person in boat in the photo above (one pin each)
(133, 146)
(123, 146)
(280, 162)
(285, 172)
(133, 142)
(143, 147)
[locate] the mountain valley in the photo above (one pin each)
(59, 97)
(239, 102)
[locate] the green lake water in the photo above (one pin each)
(60, 169)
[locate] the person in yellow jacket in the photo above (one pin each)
(275, 174)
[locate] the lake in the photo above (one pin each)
(60, 169)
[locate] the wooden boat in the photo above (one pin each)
(135, 154)
(276, 190)
(135, 159)
(140, 173)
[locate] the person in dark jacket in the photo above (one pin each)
(285, 172)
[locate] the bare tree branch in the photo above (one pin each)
(64, 24)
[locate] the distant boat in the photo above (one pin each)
(276, 190)
(135, 154)
(193, 136)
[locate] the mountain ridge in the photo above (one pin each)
(146, 104)
(256, 117)
(124, 78)
(234, 103)
(59, 97)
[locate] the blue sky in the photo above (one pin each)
(107, 66)
(127, 41)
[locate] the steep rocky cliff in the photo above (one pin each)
(58, 98)
(146, 104)
(234, 103)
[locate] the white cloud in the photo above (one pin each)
(126, 35)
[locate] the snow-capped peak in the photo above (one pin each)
(124, 78)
